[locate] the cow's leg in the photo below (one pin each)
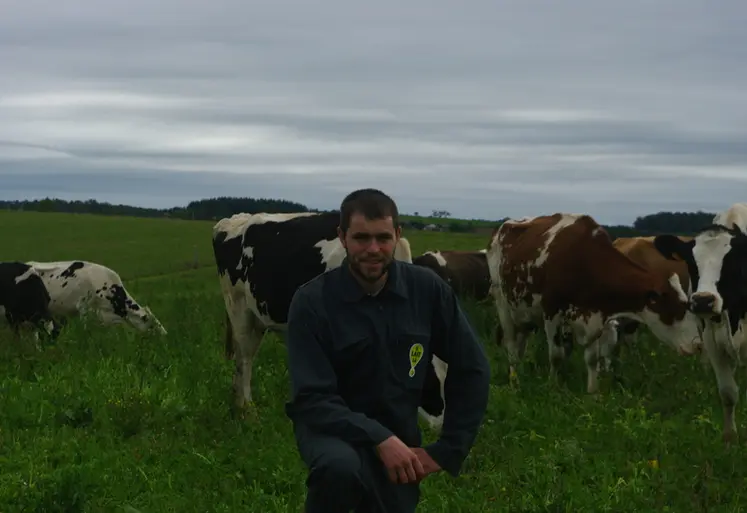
(229, 340)
(724, 368)
(555, 348)
(516, 349)
(596, 351)
(83, 310)
(247, 332)
(90, 306)
(606, 346)
(512, 339)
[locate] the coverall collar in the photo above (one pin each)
(352, 290)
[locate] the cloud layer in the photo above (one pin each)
(487, 110)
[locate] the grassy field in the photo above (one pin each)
(108, 420)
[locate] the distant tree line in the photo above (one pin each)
(681, 223)
(204, 209)
(224, 206)
(678, 223)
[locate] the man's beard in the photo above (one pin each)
(355, 266)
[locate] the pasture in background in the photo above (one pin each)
(133, 247)
(110, 420)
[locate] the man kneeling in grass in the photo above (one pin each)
(359, 339)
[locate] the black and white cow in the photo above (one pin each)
(78, 287)
(262, 259)
(717, 263)
(24, 298)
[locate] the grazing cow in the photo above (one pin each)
(24, 298)
(717, 262)
(78, 287)
(466, 271)
(641, 250)
(562, 269)
(262, 259)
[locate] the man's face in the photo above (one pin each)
(369, 245)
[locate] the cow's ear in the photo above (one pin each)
(672, 247)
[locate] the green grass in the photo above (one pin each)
(108, 420)
(134, 247)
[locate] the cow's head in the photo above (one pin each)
(671, 320)
(146, 321)
(717, 262)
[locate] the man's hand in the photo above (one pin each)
(429, 464)
(401, 462)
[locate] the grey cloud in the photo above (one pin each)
(489, 111)
(630, 136)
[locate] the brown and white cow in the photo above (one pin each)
(466, 271)
(562, 270)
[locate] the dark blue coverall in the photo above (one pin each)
(352, 386)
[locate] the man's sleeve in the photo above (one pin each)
(315, 401)
(467, 384)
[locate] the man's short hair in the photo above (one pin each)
(372, 203)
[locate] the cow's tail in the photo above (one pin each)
(229, 338)
(44, 319)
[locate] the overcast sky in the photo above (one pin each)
(484, 108)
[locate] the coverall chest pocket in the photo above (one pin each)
(412, 358)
